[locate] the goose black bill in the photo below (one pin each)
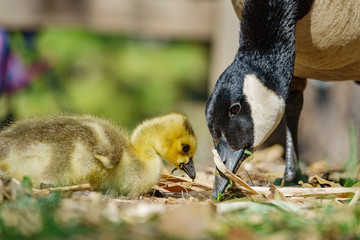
(232, 160)
(189, 168)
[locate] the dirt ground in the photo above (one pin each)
(179, 208)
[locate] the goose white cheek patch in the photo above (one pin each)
(267, 108)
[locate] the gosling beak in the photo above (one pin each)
(232, 161)
(189, 168)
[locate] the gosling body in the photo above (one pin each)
(67, 150)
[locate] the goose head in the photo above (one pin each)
(241, 113)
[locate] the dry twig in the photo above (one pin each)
(81, 187)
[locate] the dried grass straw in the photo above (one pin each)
(222, 168)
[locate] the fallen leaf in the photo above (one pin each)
(316, 179)
(276, 194)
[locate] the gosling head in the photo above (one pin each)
(172, 138)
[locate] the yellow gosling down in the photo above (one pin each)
(68, 150)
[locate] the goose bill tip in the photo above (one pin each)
(232, 160)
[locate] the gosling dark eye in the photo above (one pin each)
(235, 108)
(185, 148)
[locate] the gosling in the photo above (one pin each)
(69, 150)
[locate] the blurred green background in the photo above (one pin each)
(116, 77)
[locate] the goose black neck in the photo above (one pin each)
(267, 39)
(268, 24)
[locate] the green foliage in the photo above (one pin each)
(59, 217)
(284, 220)
(248, 152)
(351, 164)
(123, 79)
(31, 218)
(26, 183)
(220, 195)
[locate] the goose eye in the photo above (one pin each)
(235, 108)
(185, 148)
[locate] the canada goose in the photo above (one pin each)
(266, 81)
(66, 150)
